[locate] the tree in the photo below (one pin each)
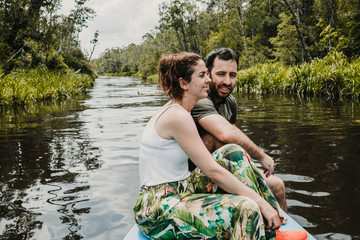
(291, 31)
(77, 21)
(32, 33)
(348, 15)
(20, 26)
(181, 16)
(295, 12)
(227, 34)
(287, 45)
(94, 41)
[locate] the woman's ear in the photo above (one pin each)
(183, 83)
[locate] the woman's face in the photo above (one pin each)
(198, 87)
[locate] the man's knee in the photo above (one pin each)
(276, 184)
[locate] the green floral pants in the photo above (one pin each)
(196, 208)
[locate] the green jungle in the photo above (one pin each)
(304, 48)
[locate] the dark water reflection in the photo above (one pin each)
(316, 145)
(69, 170)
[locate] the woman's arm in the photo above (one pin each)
(180, 126)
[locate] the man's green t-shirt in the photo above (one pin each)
(207, 106)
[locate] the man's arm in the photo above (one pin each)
(226, 132)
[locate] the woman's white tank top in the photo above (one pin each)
(160, 160)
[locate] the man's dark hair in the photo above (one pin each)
(223, 54)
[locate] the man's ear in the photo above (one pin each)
(183, 83)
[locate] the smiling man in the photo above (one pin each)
(215, 117)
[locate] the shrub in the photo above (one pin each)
(24, 86)
(331, 77)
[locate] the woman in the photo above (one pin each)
(211, 202)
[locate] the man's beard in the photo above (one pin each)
(215, 91)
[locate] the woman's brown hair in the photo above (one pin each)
(172, 68)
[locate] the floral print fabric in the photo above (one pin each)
(196, 208)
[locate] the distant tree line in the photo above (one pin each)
(32, 33)
(287, 31)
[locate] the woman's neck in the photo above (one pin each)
(186, 103)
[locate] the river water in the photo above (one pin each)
(69, 170)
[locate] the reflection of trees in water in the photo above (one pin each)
(43, 146)
(20, 221)
(67, 206)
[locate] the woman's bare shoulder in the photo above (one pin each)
(178, 114)
(173, 120)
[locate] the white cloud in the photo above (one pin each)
(119, 22)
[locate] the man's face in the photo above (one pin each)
(223, 76)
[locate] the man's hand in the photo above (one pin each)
(268, 164)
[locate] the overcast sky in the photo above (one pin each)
(120, 22)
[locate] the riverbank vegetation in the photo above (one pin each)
(39, 44)
(332, 77)
(275, 33)
(29, 86)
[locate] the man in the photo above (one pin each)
(215, 117)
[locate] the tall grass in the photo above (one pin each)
(24, 86)
(331, 77)
(267, 78)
